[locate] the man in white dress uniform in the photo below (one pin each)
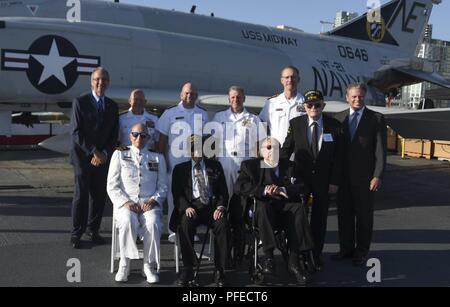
(137, 185)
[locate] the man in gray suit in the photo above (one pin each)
(363, 168)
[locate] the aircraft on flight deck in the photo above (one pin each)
(49, 48)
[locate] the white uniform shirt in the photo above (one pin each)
(138, 176)
(172, 123)
(241, 141)
(128, 120)
(277, 113)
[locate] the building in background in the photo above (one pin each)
(343, 17)
(438, 52)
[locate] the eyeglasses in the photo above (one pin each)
(102, 79)
(317, 105)
(143, 135)
(289, 77)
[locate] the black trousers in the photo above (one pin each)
(274, 215)
(355, 218)
(186, 233)
(89, 198)
(319, 216)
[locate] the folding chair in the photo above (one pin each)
(177, 251)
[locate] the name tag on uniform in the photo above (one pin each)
(153, 166)
(327, 137)
(180, 117)
(280, 109)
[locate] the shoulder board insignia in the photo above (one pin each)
(276, 95)
(172, 107)
(123, 112)
(200, 107)
(123, 148)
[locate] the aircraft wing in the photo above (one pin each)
(432, 124)
(420, 124)
(402, 72)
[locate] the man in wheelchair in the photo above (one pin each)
(279, 206)
(200, 197)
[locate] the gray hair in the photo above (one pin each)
(100, 68)
(359, 86)
(236, 88)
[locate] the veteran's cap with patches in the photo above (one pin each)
(312, 96)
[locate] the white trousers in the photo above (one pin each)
(147, 225)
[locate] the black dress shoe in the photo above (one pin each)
(75, 242)
(341, 256)
(301, 276)
(186, 279)
(318, 263)
(359, 260)
(96, 238)
(268, 266)
(219, 278)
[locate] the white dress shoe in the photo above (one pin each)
(172, 237)
(150, 272)
(122, 273)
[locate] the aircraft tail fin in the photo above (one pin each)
(399, 23)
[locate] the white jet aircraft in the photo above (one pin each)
(49, 48)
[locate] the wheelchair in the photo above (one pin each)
(246, 244)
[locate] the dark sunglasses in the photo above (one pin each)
(317, 105)
(143, 135)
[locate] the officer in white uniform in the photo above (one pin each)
(280, 109)
(175, 125)
(239, 136)
(137, 186)
(137, 114)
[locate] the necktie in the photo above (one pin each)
(353, 124)
(198, 173)
(100, 108)
(314, 140)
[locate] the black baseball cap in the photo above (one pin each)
(312, 96)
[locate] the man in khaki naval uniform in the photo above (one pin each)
(280, 109)
(137, 186)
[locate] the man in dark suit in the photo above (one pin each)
(316, 141)
(200, 197)
(279, 206)
(363, 168)
(94, 128)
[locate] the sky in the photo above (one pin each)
(302, 14)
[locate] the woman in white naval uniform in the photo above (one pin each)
(239, 136)
(138, 185)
